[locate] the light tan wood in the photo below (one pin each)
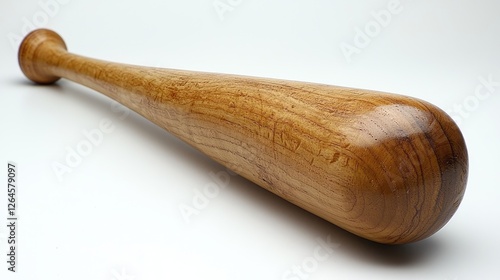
(389, 168)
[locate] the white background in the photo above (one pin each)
(116, 215)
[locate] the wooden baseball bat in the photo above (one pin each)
(386, 167)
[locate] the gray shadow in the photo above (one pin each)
(351, 246)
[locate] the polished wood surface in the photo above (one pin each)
(386, 167)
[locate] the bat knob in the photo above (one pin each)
(38, 47)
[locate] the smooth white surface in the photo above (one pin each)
(116, 215)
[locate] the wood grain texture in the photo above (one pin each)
(386, 167)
